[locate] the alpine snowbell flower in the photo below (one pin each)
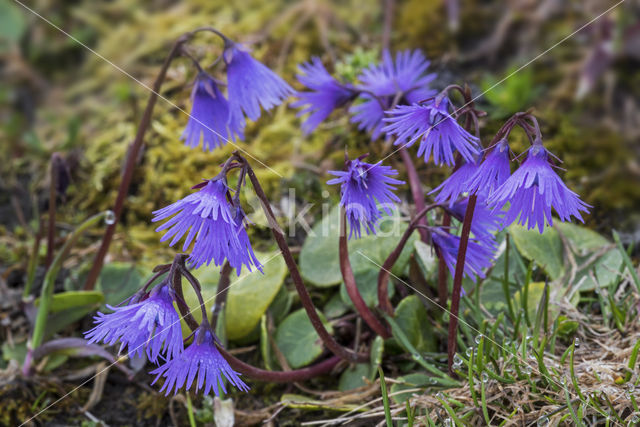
(485, 223)
(209, 118)
(457, 184)
(327, 94)
(493, 171)
(366, 188)
(251, 85)
(218, 232)
(533, 189)
(478, 257)
(203, 359)
(149, 326)
(404, 80)
(439, 133)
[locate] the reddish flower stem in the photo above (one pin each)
(132, 156)
(221, 295)
(279, 376)
(457, 280)
(305, 298)
(351, 286)
(443, 292)
(416, 189)
(385, 271)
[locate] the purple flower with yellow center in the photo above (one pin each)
(251, 85)
(493, 171)
(327, 94)
(209, 118)
(533, 189)
(477, 258)
(367, 190)
(439, 133)
(214, 227)
(404, 81)
(201, 359)
(456, 185)
(149, 325)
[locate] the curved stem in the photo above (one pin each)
(416, 188)
(457, 280)
(176, 284)
(385, 271)
(132, 156)
(221, 295)
(196, 288)
(351, 286)
(279, 376)
(305, 298)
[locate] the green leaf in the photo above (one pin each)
(12, 23)
(118, 281)
(408, 382)
(426, 258)
(544, 249)
(251, 294)
(281, 305)
(298, 340)
(354, 377)
(492, 294)
(335, 307)
(319, 261)
(71, 299)
(412, 318)
(367, 284)
(377, 350)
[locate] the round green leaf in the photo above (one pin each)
(412, 318)
(298, 340)
(544, 249)
(354, 377)
(367, 284)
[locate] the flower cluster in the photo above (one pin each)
(214, 225)
(214, 120)
(367, 190)
(150, 325)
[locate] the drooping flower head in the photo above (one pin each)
(456, 185)
(213, 222)
(477, 258)
(251, 85)
(201, 359)
(439, 133)
(533, 189)
(326, 94)
(485, 223)
(209, 118)
(367, 190)
(493, 171)
(404, 80)
(149, 325)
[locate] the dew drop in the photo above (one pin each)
(478, 338)
(635, 419)
(440, 395)
(110, 218)
(469, 352)
(543, 421)
(448, 422)
(457, 361)
(485, 377)
(576, 342)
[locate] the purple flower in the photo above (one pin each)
(203, 359)
(364, 186)
(439, 133)
(533, 189)
(251, 85)
(477, 258)
(493, 171)
(485, 223)
(404, 79)
(327, 94)
(456, 185)
(218, 233)
(209, 118)
(150, 325)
